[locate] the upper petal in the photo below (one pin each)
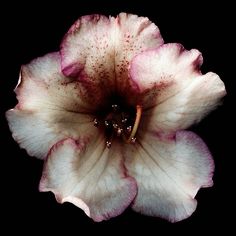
(132, 35)
(90, 176)
(98, 49)
(42, 86)
(168, 68)
(169, 174)
(51, 107)
(175, 92)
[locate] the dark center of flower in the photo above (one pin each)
(119, 122)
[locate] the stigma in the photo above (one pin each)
(120, 123)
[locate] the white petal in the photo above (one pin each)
(37, 132)
(89, 175)
(188, 106)
(169, 174)
(176, 94)
(50, 107)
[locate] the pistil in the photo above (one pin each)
(136, 124)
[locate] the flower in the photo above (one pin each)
(108, 113)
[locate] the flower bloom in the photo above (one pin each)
(108, 113)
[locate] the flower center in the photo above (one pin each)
(120, 122)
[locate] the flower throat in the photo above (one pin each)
(120, 122)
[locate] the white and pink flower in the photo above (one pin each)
(107, 114)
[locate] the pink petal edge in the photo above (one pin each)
(169, 174)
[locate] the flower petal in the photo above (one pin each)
(89, 175)
(37, 132)
(98, 49)
(169, 174)
(42, 85)
(133, 35)
(176, 94)
(50, 107)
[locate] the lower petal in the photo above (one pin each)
(169, 174)
(90, 176)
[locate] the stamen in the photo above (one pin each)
(107, 123)
(115, 107)
(119, 132)
(136, 124)
(124, 120)
(118, 123)
(129, 129)
(108, 144)
(133, 140)
(115, 126)
(96, 122)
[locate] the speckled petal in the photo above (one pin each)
(98, 49)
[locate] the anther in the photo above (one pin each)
(115, 126)
(133, 140)
(119, 131)
(124, 120)
(115, 107)
(129, 129)
(107, 123)
(108, 144)
(96, 122)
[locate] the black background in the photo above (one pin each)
(34, 29)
